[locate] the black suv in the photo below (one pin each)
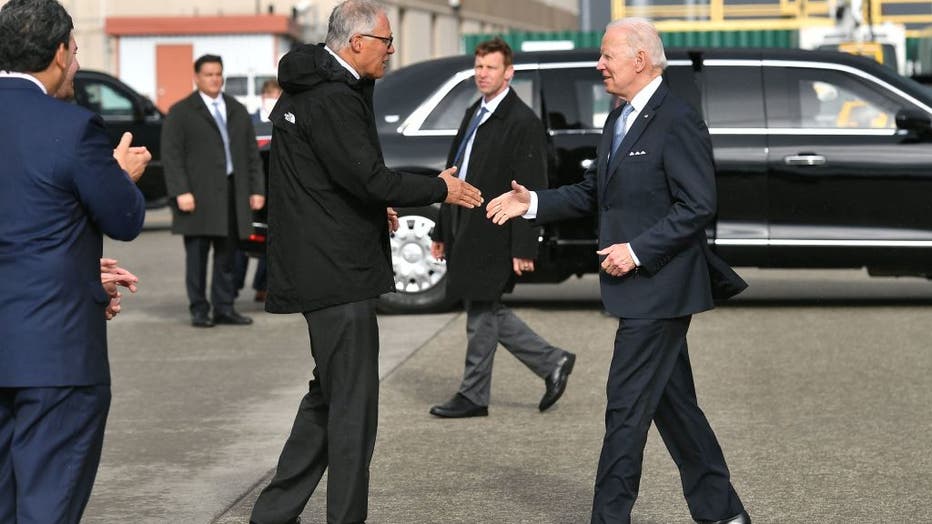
(123, 109)
(824, 159)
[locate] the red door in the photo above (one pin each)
(174, 65)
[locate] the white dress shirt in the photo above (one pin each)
(638, 102)
(490, 107)
(34, 80)
(343, 63)
(221, 105)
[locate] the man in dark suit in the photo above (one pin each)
(61, 186)
(213, 171)
(499, 138)
(329, 256)
(653, 187)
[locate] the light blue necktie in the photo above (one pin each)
(470, 131)
(620, 127)
(221, 123)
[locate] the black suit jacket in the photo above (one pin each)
(509, 145)
(194, 162)
(657, 193)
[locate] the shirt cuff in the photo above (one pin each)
(532, 207)
(637, 263)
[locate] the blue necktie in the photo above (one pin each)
(221, 123)
(620, 127)
(470, 131)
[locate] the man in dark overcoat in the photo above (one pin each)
(214, 174)
(500, 140)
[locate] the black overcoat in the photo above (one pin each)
(194, 162)
(509, 145)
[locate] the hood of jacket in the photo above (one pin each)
(309, 65)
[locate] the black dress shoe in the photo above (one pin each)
(459, 407)
(232, 318)
(201, 320)
(556, 381)
(741, 518)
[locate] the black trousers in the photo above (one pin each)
(222, 289)
(335, 426)
(197, 249)
(50, 442)
(650, 379)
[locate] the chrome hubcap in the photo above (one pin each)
(415, 270)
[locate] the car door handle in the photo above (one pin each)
(804, 160)
(585, 164)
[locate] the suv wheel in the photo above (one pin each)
(420, 279)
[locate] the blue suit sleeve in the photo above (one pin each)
(112, 200)
(571, 201)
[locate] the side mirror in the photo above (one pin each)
(914, 120)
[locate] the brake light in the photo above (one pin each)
(257, 238)
(263, 141)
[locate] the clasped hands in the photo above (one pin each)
(515, 203)
(112, 277)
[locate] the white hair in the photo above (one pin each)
(350, 18)
(642, 36)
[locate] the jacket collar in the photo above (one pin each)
(645, 117)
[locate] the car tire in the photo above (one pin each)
(420, 280)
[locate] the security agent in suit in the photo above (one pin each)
(61, 187)
(499, 139)
(213, 171)
(653, 188)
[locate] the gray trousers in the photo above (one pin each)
(487, 325)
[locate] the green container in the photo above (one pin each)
(592, 39)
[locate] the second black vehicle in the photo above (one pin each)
(123, 109)
(824, 160)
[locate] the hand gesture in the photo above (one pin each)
(437, 250)
(111, 278)
(133, 160)
(185, 202)
(618, 261)
(256, 202)
(459, 192)
(509, 205)
(522, 265)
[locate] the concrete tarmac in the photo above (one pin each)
(816, 383)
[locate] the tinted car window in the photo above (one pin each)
(104, 100)
(821, 98)
(449, 112)
(576, 98)
(258, 81)
(733, 96)
(236, 86)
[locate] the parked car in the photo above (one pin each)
(123, 109)
(823, 159)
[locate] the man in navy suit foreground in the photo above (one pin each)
(61, 186)
(653, 187)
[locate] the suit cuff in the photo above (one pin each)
(532, 207)
(637, 263)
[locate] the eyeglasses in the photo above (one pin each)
(387, 39)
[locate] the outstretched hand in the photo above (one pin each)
(460, 193)
(509, 205)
